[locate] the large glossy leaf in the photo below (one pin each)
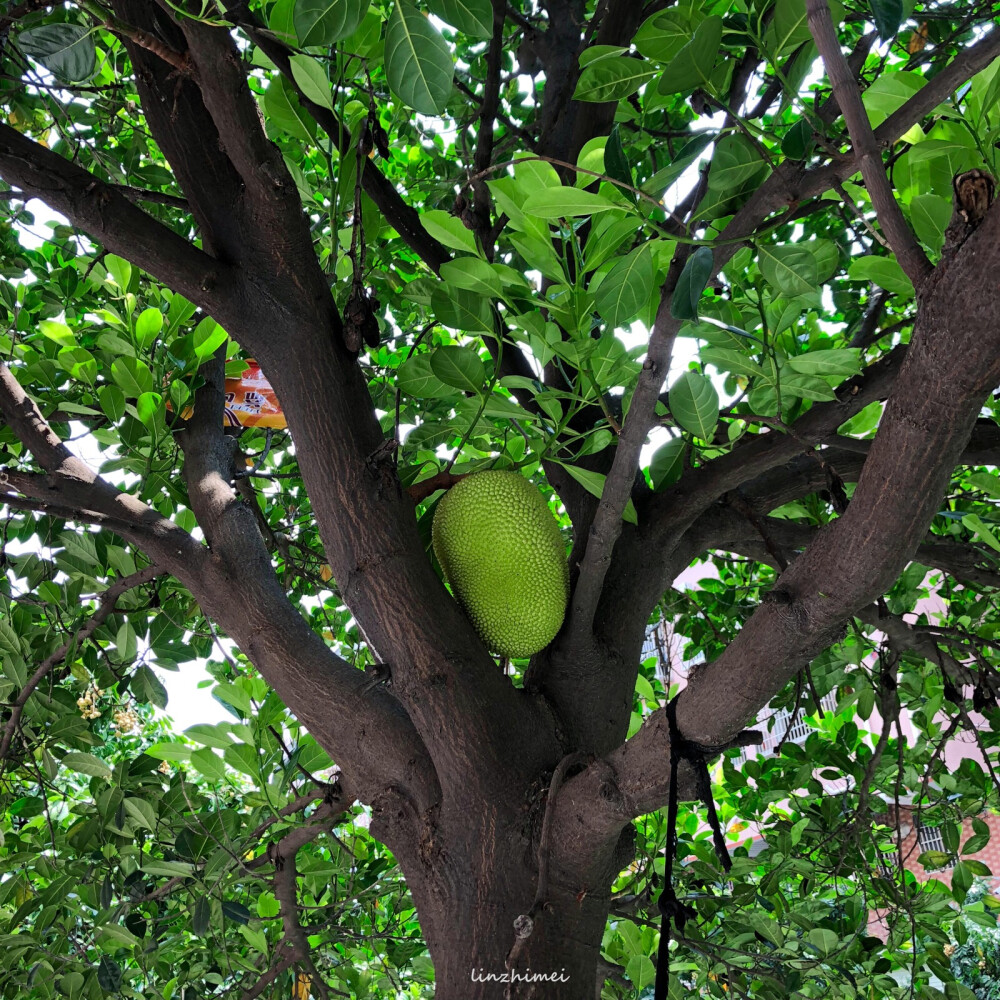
(626, 287)
(418, 62)
(888, 15)
(735, 160)
(697, 272)
(65, 49)
(667, 463)
(692, 66)
(612, 79)
(323, 22)
(694, 404)
(459, 367)
(884, 271)
(790, 270)
(416, 378)
(461, 309)
(473, 17)
(565, 202)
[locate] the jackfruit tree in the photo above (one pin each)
(717, 280)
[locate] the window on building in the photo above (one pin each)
(887, 863)
(929, 838)
(798, 728)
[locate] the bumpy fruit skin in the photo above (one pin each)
(502, 554)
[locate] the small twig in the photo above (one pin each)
(606, 526)
(904, 244)
(105, 607)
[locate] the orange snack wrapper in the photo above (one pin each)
(250, 401)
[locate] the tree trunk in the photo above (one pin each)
(475, 879)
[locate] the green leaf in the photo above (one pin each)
(694, 404)
(961, 876)
(58, 332)
(729, 360)
(883, 271)
(109, 974)
(202, 916)
(667, 463)
(840, 361)
(616, 163)
(626, 287)
(566, 202)
(86, 763)
(612, 79)
(79, 362)
(662, 36)
(415, 378)
(418, 62)
(209, 764)
(323, 22)
(231, 694)
(236, 912)
(735, 161)
(132, 376)
(640, 971)
(112, 402)
(692, 66)
(472, 17)
(141, 812)
(148, 688)
(282, 107)
(311, 77)
(461, 309)
(474, 274)
(888, 15)
(805, 386)
(698, 271)
(209, 735)
(798, 141)
(448, 230)
(120, 271)
(788, 28)
(791, 269)
(593, 483)
(148, 405)
(823, 940)
(169, 751)
(976, 524)
(888, 93)
(207, 338)
(65, 49)
(147, 326)
(460, 367)
(929, 216)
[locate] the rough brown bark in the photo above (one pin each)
(455, 761)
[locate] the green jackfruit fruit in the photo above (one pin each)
(502, 554)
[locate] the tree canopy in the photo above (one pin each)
(717, 277)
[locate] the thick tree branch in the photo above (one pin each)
(903, 243)
(111, 218)
(363, 726)
(790, 186)
(952, 363)
(365, 729)
(606, 525)
(401, 216)
(227, 97)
